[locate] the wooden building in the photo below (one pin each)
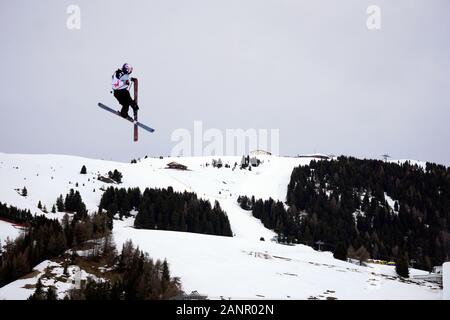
(176, 166)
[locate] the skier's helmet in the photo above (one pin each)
(127, 68)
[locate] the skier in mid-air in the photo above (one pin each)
(121, 82)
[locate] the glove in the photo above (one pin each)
(127, 82)
(133, 79)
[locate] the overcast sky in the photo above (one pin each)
(311, 69)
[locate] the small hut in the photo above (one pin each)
(176, 166)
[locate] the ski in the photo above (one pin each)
(135, 112)
(135, 126)
(139, 124)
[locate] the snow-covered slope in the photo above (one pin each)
(238, 267)
(8, 230)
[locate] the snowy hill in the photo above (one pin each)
(8, 230)
(238, 267)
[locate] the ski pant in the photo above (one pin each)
(124, 98)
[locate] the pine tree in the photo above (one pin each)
(362, 254)
(60, 204)
(38, 292)
(165, 271)
(116, 176)
(83, 170)
(351, 252)
(39, 205)
(51, 294)
(65, 268)
(24, 192)
(53, 209)
(340, 252)
(401, 266)
(165, 276)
